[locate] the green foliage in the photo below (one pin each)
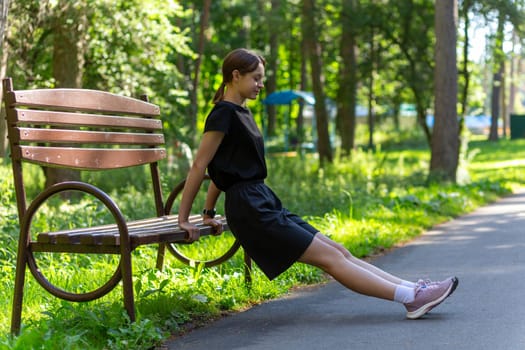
(133, 49)
(103, 327)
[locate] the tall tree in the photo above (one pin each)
(201, 42)
(500, 12)
(303, 83)
(132, 49)
(274, 25)
(69, 44)
(4, 8)
(408, 25)
(313, 49)
(445, 138)
(371, 84)
(346, 95)
(513, 73)
(466, 5)
(69, 47)
(144, 50)
(497, 78)
(29, 46)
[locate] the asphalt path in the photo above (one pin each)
(484, 249)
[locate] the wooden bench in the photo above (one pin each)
(90, 130)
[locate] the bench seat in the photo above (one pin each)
(106, 238)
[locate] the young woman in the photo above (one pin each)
(232, 151)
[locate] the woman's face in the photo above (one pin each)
(250, 84)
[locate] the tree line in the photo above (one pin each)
(376, 53)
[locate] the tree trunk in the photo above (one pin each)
(371, 112)
(274, 20)
(303, 87)
(445, 137)
(3, 125)
(346, 95)
(313, 49)
(4, 8)
(464, 70)
(512, 74)
(421, 119)
(497, 79)
(204, 20)
(495, 105)
(371, 97)
(503, 96)
(69, 45)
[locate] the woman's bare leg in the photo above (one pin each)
(375, 270)
(357, 277)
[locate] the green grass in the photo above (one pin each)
(374, 201)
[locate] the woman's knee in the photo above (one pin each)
(321, 254)
(336, 245)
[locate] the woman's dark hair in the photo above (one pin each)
(243, 60)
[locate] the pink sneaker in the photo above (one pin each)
(429, 282)
(424, 282)
(429, 296)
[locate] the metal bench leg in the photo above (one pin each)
(160, 256)
(16, 315)
(127, 281)
(247, 269)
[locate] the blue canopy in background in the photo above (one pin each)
(287, 96)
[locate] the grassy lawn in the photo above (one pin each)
(372, 202)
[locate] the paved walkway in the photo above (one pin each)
(485, 249)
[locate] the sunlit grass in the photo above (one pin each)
(373, 201)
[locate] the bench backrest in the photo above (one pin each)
(81, 129)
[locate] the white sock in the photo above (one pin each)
(404, 294)
(408, 284)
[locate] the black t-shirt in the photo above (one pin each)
(240, 156)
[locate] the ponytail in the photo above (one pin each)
(219, 94)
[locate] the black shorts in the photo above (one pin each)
(272, 236)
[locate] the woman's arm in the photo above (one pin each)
(209, 144)
(211, 198)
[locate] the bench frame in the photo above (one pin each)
(90, 130)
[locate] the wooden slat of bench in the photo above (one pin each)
(74, 248)
(167, 231)
(51, 237)
(148, 231)
(169, 236)
(109, 238)
(84, 100)
(38, 117)
(94, 137)
(88, 158)
(109, 230)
